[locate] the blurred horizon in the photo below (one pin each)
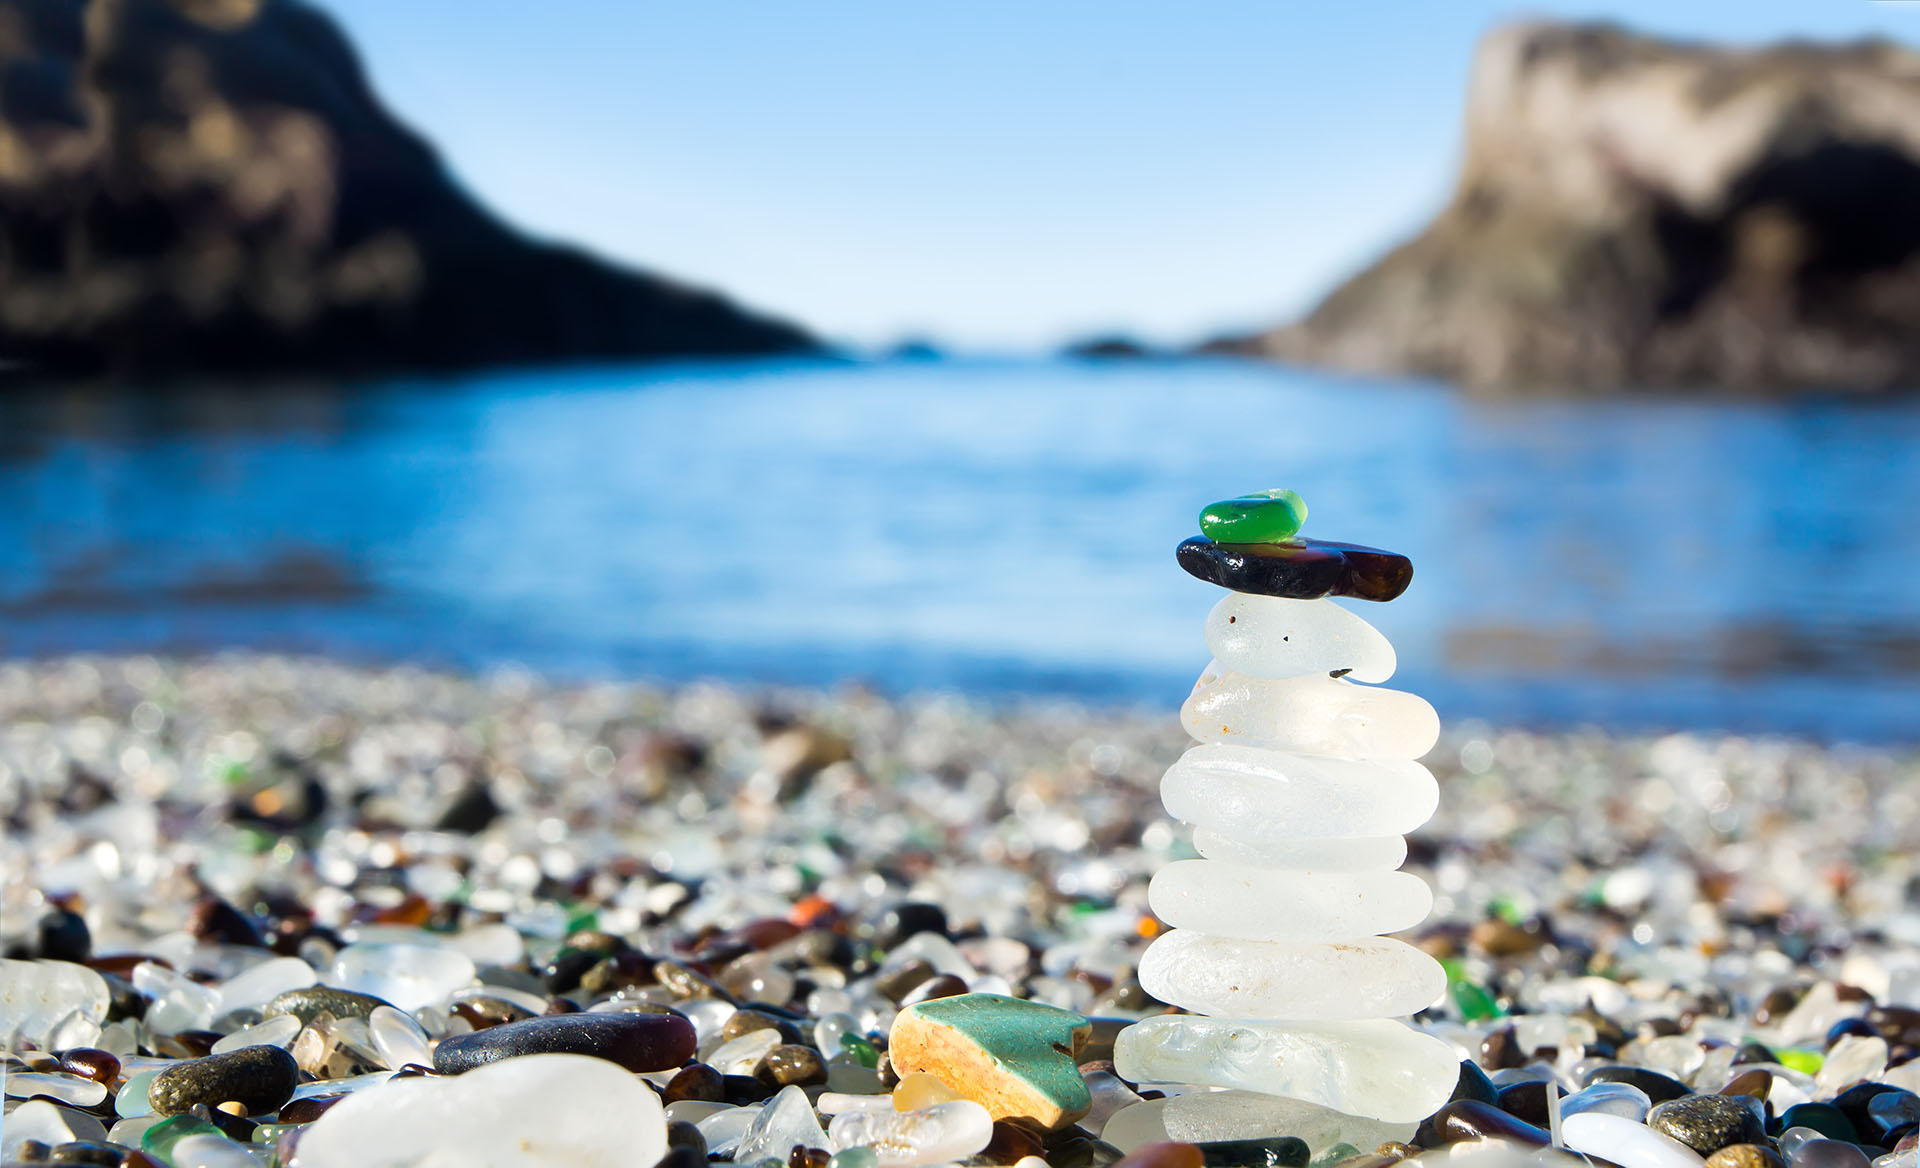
(993, 179)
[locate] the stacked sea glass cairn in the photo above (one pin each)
(1300, 792)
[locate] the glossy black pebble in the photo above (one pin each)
(638, 1042)
(1301, 569)
(1275, 1152)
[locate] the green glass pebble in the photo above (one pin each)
(159, 1139)
(1807, 1062)
(861, 1157)
(862, 1050)
(1474, 1002)
(1265, 517)
(1824, 1118)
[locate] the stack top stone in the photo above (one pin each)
(1250, 544)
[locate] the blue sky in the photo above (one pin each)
(997, 174)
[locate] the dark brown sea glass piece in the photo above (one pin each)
(1299, 569)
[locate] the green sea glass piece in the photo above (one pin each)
(1264, 517)
(159, 1139)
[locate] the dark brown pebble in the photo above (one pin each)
(898, 983)
(638, 1042)
(619, 972)
(681, 1134)
(1500, 1050)
(698, 1082)
(482, 1012)
(1757, 1083)
(1397, 1150)
(810, 1157)
(259, 1077)
(1528, 1102)
(746, 1021)
(792, 1065)
(98, 1065)
(1470, 1119)
(687, 982)
(1167, 1154)
(741, 1090)
(32, 1152)
(308, 1109)
(85, 1152)
(943, 985)
(213, 919)
(1012, 1141)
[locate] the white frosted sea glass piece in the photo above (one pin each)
(1376, 1068)
(36, 997)
(1263, 795)
(535, 1111)
(1264, 904)
(931, 1135)
(1625, 1142)
(1204, 1116)
(1271, 636)
(1308, 715)
(1372, 853)
(1230, 977)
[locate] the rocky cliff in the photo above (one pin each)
(1642, 214)
(212, 184)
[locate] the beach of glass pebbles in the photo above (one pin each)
(201, 856)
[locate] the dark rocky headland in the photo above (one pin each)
(191, 185)
(1636, 213)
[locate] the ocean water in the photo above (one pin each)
(995, 528)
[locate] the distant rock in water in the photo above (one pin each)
(1637, 213)
(211, 184)
(1109, 348)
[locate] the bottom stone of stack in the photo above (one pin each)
(1377, 1068)
(1371, 977)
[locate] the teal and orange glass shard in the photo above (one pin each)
(1264, 517)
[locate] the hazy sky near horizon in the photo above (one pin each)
(997, 174)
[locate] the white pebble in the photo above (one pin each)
(1270, 636)
(264, 982)
(1254, 794)
(36, 996)
(535, 1111)
(1375, 977)
(208, 1151)
(408, 976)
(398, 1037)
(1376, 1068)
(1376, 853)
(1626, 1142)
(1266, 904)
(930, 1135)
(273, 1032)
(1309, 715)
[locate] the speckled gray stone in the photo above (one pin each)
(1707, 1123)
(310, 1003)
(260, 1077)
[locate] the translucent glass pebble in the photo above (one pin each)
(1254, 794)
(399, 1039)
(204, 1151)
(1266, 904)
(69, 1089)
(902, 1139)
(263, 982)
(37, 996)
(1269, 636)
(784, 1121)
(407, 976)
(1375, 1068)
(1211, 1116)
(1309, 715)
(1378, 853)
(1375, 977)
(273, 1032)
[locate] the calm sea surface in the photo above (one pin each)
(992, 528)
